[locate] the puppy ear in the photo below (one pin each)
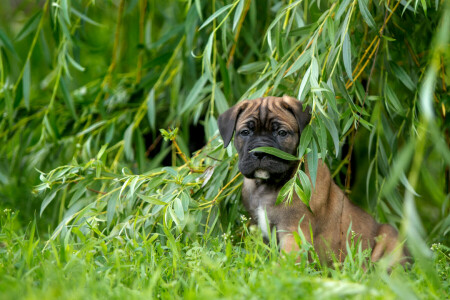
(227, 121)
(302, 115)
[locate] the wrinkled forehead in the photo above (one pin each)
(265, 112)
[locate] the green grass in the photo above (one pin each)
(239, 266)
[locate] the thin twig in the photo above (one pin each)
(355, 126)
(153, 145)
(238, 32)
(376, 38)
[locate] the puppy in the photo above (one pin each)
(278, 122)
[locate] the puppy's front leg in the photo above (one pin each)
(287, 242)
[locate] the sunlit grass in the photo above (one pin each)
(222, 267)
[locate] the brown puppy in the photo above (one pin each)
(278, 122)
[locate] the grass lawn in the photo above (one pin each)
(237, 267)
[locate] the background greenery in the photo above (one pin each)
(94, 193)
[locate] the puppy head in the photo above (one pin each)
(264, 122)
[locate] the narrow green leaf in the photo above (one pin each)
(366, 14)
(65, 10)
(286, 191)
(91, 128)
(151, 199)
(305, 139)
(215, 15)
(306, 185)
(198, 6)
(347, 56)
(322, 136)
(75, 64)
(111, 208)
(220, 101)
(5, 42)
(178, 208)
(301, 194)
(313, 158)
(275, 152)
(127, 140)
(305, 80)
(193, 96)
(300, 62)
(47, 200)
(29, 27)
(84, 17)
(26, 84)
(67, 97)
(342, 8)
(393, 100)
(101, 151)
(252, 67)
(347, 125)
(403, 76)
(151, 109)
(400, 165)
(334, 134)
(238, 13)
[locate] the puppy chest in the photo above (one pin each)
(263, 221)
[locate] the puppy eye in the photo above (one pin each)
(282, 133)
(245, 132)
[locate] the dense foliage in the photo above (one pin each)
(110, 142)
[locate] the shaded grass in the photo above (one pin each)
(220, 267)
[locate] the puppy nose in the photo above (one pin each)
(258, 154)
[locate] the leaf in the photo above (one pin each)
(26, 84)
(366, 14)
(401, 74)
(178, 208)
(300, 193)
(275, 152)
(111, 208)
(306, 185)
(91, 128)
(193, 96)
(312, 158)
(334, 134)
(342, 9)
(47, 200)
(286, 191)
(67, 98)
(238, 13)
(31, 25)
(427, 92)
(4, 40)
(65, 10)
(127, 141)
(198, 6)
(347, 125)
(101, 151)
(215, 15)
(75, 64)
(305, 139)
(305, 80)
(347, 56)
(151, 199)
(84, 17)
(399, 166)
(252, 67)
(322, 137)
(220, 101)
(393, 100)
(299, 62)
(151, 110)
